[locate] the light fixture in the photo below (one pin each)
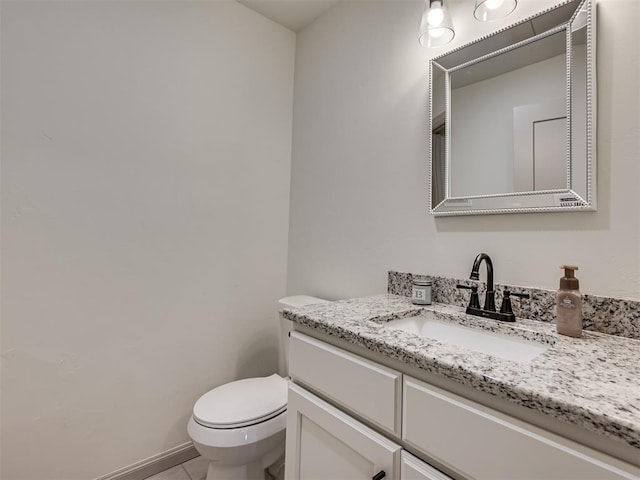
(487, 10)
(436, 27)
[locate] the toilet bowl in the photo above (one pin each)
(240, 426)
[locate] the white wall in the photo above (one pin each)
(145, 192)
(359, 171)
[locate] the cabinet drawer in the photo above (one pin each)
(481, 443)
(366, 388)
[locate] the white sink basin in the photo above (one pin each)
(483, 341)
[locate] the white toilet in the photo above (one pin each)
(240, 426)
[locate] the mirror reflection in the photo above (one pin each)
(511, 116)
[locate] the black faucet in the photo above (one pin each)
(489, 310)
(490, 296)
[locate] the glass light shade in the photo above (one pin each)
(487, 10)
(436, 27)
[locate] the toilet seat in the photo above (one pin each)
(236, 437)
(242, 403)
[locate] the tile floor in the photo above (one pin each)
(194, 469)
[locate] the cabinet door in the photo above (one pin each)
(413, 468)
(324, 443)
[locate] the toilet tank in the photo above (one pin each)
(286, 326)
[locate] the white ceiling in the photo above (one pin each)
(293, 14)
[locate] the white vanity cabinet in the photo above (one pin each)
(324, 442)
(351, 418)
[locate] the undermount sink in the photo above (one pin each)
(483, 341)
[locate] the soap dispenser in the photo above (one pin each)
(569, 304)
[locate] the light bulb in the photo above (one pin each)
(487, 10)
(493, 4)
(436, 28)
(436, 15)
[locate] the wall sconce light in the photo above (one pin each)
(487, 10)
(436, 27)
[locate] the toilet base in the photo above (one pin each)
(249, 471)
(276, 470)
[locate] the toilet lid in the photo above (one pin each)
(242, 403)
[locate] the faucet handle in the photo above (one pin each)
(473, 301)
(506, 301)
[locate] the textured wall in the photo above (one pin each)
(146, 152)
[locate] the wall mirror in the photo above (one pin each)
(512, 118)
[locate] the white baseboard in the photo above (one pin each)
(155, 464)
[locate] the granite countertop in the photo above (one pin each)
(592, 382)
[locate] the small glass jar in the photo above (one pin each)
(421, 292)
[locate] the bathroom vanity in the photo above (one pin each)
(369, 399)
